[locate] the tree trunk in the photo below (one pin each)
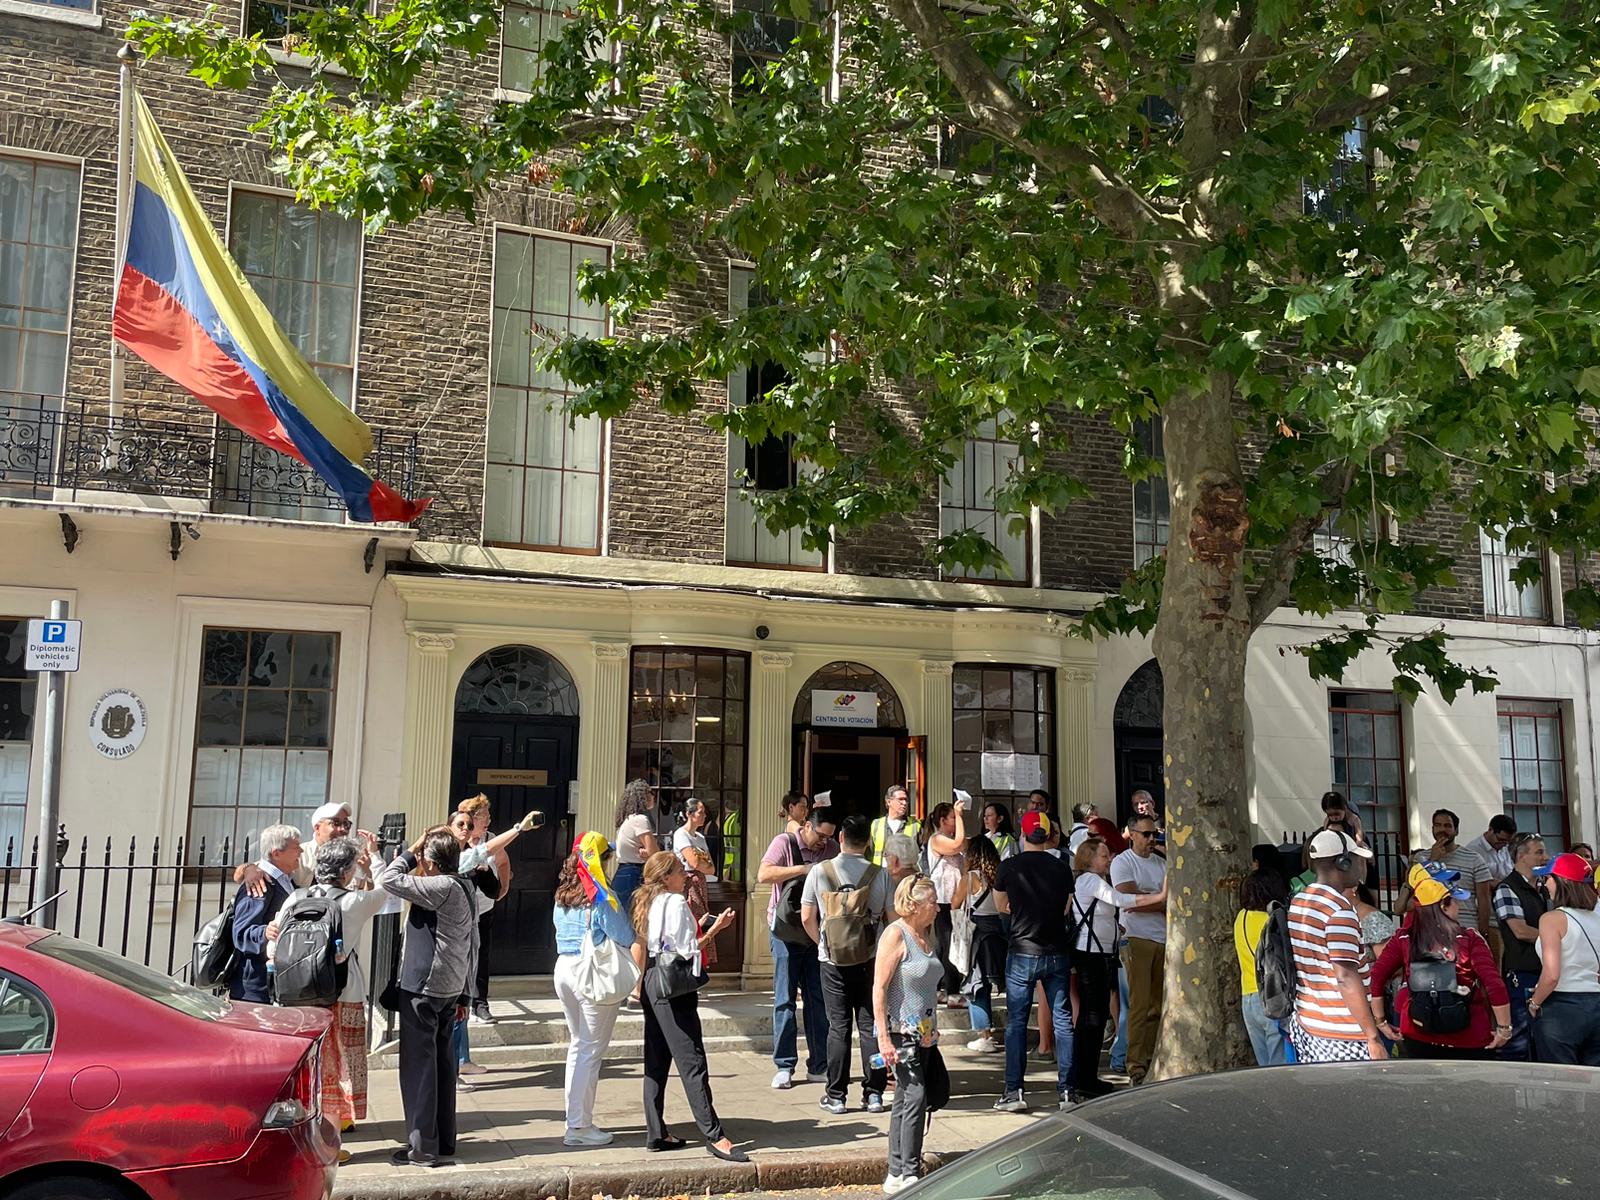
(1200, 641)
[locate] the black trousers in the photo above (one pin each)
(1097, 979)
(847, 999)
(480, 991)
(672, 1035)
(428, 1072)
(942, 930)
(1423, 1050)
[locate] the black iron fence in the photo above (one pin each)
(50, 444)
(1389, 862)
(147, 904)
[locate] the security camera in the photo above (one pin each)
(762, 633)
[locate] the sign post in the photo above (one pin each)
(52, 650)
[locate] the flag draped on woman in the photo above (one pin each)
(184, 306)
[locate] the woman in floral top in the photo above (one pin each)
(905, 995)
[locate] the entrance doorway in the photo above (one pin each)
(1137, 739)
(850, 753)
(516, 741)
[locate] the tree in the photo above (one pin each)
(1343, 250)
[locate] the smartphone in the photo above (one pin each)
(706, 920)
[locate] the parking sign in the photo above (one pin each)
(52, 645)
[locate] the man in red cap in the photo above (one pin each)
(1035, 888)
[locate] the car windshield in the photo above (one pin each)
(113, 968)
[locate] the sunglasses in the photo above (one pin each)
(1143, 832)
(339, 822)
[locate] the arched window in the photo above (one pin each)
(851, 677)
(517, 680)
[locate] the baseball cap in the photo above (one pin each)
(1036, 827)
(1330, 843)
(1429, 890)
(1568, 866)
(329, 811)
(1439, 872)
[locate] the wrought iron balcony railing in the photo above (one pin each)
(49, 445)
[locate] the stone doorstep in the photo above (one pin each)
(778, 1172)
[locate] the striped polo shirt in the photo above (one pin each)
(1323, 930)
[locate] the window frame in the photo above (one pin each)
(742, 866)
(611, 52)
(1052, 757)
(732, 488)
(1030, 551)
(1159, 495)
(1492, 549)
(9, 980)
(293, 58)
(13, 398)
(603, 471)
(34, 749)
(1397, 711)
(830, 15)
(1548, 710)
(196, 745)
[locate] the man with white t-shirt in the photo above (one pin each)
(1139, 871)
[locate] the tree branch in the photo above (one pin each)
(1274, 589)
(1114, 26)
(1339, 112)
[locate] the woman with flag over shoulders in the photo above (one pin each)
(586, 908)
(184, 306)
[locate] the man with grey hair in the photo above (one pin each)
(280, 855)
(899, 857)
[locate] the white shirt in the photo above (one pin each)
(628, 835)
(683, 840)
(1147, 874)
(1076, 838)
(1102, 924)
(672, 928)
(1499, 860)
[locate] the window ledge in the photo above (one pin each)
(501, 94)
(286, 58)
(53, 12)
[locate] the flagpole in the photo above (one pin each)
(127, 56)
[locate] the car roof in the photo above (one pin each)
(14, 934)
(1472, 1131)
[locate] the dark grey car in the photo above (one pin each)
(1357, 1131)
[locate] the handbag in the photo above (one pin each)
(671, 975)
(961, 937)
(604, 973)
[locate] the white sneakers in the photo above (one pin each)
(897, 1183)
(783, 1079)
(471, 1068)
(816, 1077)
(592, 1136)
(984, 1045)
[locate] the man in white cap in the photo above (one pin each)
(332, 820)
(1333, 1019)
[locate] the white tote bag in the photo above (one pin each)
(605, 973)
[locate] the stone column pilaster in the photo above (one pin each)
(603, 738)
(1075, 735)
(771, 729)
(430, 715)
(938, 718)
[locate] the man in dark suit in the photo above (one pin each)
(280, 855)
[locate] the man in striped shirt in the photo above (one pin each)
(1332, 1019)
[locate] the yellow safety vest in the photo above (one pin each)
(880, 836)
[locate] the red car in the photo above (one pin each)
(118, 1083)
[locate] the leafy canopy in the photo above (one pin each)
(1364, 232)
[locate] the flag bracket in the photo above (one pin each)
(370, 554)
(69, 533)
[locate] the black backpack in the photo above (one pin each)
(1276, 979)
(1438, 1002)
(786, 926)
(305, 963)
(212, 959)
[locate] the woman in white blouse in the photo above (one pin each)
(1095, 904)
(672, 1026)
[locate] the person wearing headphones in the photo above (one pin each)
(1332, 1019)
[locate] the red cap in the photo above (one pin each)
(1036, 827)
(1573, 867)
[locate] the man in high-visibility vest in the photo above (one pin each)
(897, 802)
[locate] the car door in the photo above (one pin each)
(27, 1032)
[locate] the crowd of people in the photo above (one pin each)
(1494, 952)
(877, 925)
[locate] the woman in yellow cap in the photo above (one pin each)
(1452, 1002)
(586, 908)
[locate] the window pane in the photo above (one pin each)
(314, 660)
(38, 240)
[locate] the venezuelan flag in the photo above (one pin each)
(184, 307)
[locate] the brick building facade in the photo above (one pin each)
(543, 650)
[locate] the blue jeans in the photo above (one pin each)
(1119, 1044)
(796, 969)
(625, 882)
(458, 1039)
(980, 1008)
(1520, 985)
(1023, 971)
(1567, 1029)
(1266, 1035)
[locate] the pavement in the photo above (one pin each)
(511, 1123)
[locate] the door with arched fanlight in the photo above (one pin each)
(1137, 739)
(851, 741)
(516, 742)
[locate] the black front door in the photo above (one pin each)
(521, 764)
(1138, 768)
